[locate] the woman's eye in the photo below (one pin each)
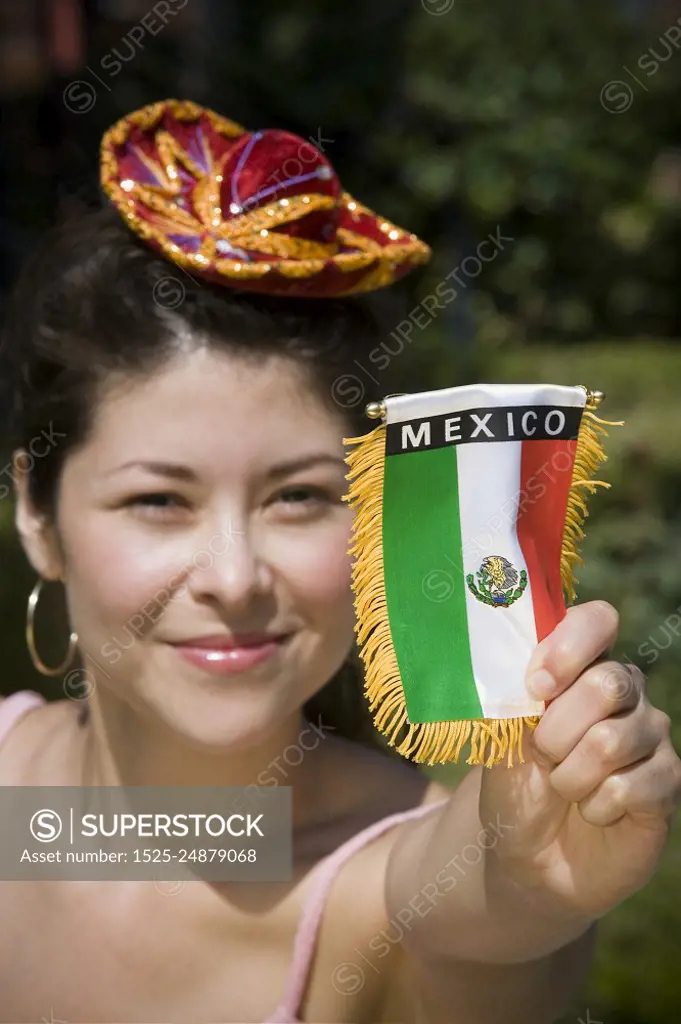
(157, 504)
(302, 500)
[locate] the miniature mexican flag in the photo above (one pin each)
(469, 503)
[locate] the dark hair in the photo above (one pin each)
(94, 301)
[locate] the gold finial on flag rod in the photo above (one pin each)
(377, 410)
(594, 398)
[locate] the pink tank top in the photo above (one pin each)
(323, 875)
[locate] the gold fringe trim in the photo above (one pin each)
(491, 739)
(589, 455)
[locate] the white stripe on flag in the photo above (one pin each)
(476, 396)
(501, 639)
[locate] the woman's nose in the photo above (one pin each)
(231, 568)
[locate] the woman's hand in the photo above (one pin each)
(590, 810)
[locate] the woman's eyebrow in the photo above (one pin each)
(185, 473)
(171, 469)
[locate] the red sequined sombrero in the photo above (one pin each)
(262, 210)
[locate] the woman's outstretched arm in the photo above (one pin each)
(520, 863)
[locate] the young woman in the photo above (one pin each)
(186, 490)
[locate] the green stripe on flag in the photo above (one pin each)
(425, 585)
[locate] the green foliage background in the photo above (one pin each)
(487, 117)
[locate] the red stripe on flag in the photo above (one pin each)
(545, 476)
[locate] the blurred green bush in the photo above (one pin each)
(494, 115)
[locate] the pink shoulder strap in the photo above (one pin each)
(14, 706)
(310, 920)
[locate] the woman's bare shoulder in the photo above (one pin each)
(25, 752)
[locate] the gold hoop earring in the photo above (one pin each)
(30, 638)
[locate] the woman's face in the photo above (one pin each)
(184, 516)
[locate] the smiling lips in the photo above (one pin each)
(221, 656)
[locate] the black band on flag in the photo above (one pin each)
(508, 423)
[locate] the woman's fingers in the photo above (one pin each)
(650, 789)
(608, 747)
(605, 689)
(587, 632)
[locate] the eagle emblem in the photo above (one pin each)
(498, 582)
